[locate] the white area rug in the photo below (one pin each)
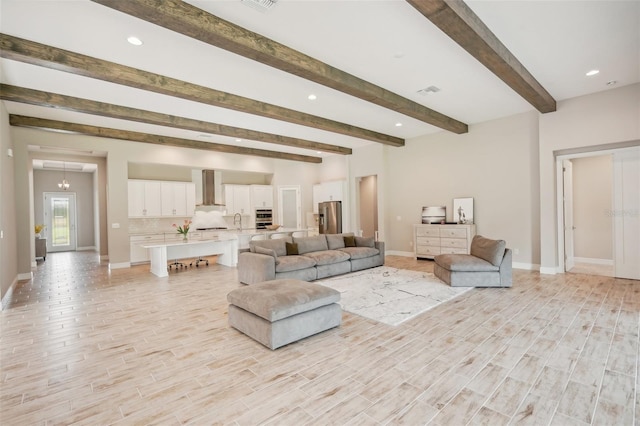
(391, 295)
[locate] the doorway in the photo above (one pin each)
(289, 207)
(368, 205)
(60, 221)
(593, 188)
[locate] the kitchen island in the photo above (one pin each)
(224, 243)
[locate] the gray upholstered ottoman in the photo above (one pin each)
(278, 312)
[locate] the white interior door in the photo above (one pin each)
(567, 179)
(60, 221)
(626, 216)
(289, 207)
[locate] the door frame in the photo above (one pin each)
(568, 227)
(73, 237)
(560, 200)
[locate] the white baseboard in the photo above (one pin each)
(594, 261)
(120, 265)
(8, 294)
(400, 253)
(92, 248)
(25, 276)
(549, 270)
(526, 266)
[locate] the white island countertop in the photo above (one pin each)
(224, 242)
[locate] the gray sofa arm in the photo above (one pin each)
(380, 246)
(506, 268)
(255, 268)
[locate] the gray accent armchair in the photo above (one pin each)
(487, 265)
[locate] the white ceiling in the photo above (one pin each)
(386, 42)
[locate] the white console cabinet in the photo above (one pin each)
(432, 240)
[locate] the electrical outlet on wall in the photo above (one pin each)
(516, 251)
(410, 243)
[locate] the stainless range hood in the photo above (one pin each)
(211, 183)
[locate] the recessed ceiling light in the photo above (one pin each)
(592, 73)
(134, 40)
(312, 97)
(398, 124)
(399, 54)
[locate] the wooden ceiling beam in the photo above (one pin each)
(30, 52)
(183, 18)
(104, 132)
(86, 106)
(460, 23)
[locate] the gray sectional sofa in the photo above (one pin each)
(308, 258)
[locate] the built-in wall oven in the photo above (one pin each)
(264, 217)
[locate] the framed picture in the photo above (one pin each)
(463, 210)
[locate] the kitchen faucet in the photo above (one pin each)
(238, 221)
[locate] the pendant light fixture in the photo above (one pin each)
(64, 185)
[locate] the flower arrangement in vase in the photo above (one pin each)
(38, 229)
(183, 229)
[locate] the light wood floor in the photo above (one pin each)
(84, 344)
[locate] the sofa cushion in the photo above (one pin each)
(335, 241)
(360, 252)
(277, 245)
(365, 242)
(292, 248)
(490, 250)
(328, 257)
(309, 244)
(464, 263)
(294, 263)
(349, 241)
(278, 299)
(268, 252)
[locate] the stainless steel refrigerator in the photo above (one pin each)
(330, 217)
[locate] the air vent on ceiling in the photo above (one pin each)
(429, 90)
(261, 5)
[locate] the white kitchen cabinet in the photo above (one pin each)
(145, 198)
(261, 197)
(178, 198)
(237, 199)
(154, 198)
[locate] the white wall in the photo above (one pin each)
(601, 119)
(592, 204)
(495, 163)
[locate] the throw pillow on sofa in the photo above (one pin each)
(349, 241)
(292, 249)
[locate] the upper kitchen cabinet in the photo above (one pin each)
(178, 198)
(261, 197)
(145, 198)
(328, 191)
(152, 198)
(237, 199)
